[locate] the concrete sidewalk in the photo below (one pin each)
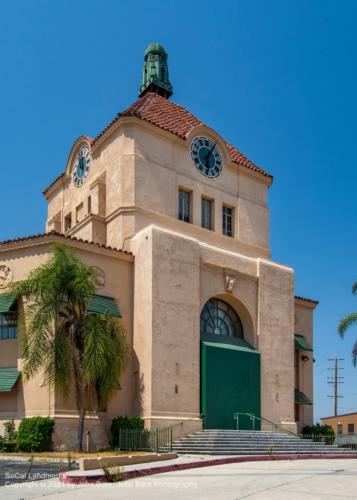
(185, 462)
(274, 480)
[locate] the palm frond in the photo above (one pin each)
(105, 354)
(347, 322)
(354, 288)
(58, 371)
(354, 354)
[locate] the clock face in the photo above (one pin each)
(206, 156)
(81, 165)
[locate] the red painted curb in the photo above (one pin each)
(204, 463)
(98, 478)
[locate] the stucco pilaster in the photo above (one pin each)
(276, 342)
(166, 325)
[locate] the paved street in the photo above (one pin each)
(293, 480)
(16, 471)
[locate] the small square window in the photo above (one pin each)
(339, 428)
(89, 205)
(351, 428)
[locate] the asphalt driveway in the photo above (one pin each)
(20, 471)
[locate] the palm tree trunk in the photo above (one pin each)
(79, 393)
(80, 428)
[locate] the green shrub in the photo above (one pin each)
(124, 423)
(35, 434)
(7, 446)
(8, 442)
(318, 430)
(10, 432)
(319, 433)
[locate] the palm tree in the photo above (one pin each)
(72, 347)
(347, 322)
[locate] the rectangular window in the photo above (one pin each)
(206, 213)
(339, 428)
(89, 205)
(68, 222)
(184, 205)
(351, 428)
(227, 220)
(8, 325)
(79, 213)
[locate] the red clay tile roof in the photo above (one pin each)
(54, 235)
(175, 119)
(169, 116)
(306, 300)
(54, 182)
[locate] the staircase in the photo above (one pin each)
(234, 442)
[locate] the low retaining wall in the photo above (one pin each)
(117, 460)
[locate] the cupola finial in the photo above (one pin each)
(156, 72)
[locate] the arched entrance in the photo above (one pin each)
(230, 369)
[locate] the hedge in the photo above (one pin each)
(35, 434)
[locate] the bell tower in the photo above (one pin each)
(156, 72)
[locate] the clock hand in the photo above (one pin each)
(209, 154)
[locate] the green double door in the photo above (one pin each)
(230, 383)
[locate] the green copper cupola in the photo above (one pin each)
(156, 72)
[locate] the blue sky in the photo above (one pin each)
(277, 79)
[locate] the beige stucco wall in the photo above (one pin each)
(175, 277)
(33, 397)
(304, 326)
(276, 342)
(166, 326)
(142, 168)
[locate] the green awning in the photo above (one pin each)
(302, 344)
(8, 378)
(301, 398)
(100, 304)
(7, 300)
(242, 345)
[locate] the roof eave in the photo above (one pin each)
(54, 237)
(306, 302)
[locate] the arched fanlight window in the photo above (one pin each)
(219, 318)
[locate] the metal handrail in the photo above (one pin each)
(253, 418)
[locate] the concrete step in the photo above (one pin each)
(247, 439)
(250, 446)
(235, 442)
(261, 452)
(253, 441)
(243, 451)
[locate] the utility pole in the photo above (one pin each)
(335, 380)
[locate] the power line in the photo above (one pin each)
(335, 380)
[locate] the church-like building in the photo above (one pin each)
(176, 222)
